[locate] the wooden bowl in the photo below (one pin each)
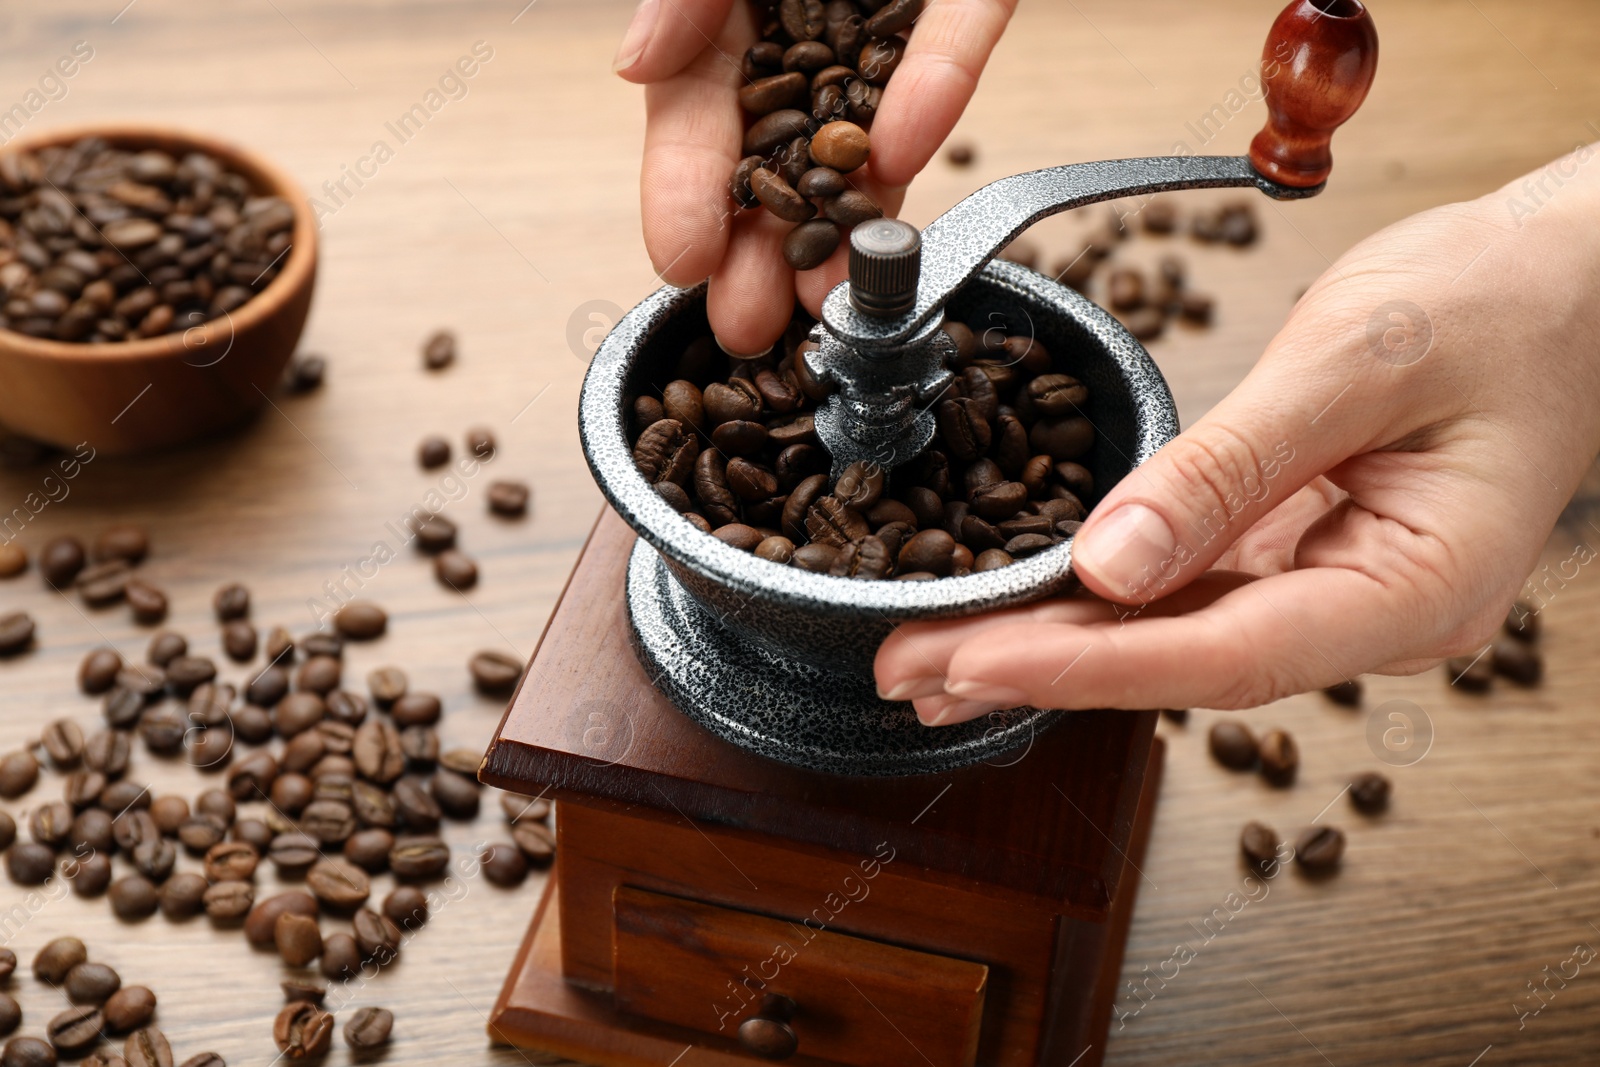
(135, 396)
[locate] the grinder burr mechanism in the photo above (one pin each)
(779, 660)
(881, 346)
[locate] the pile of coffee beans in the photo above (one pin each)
(1514, 655)
(101, 244)
(812, 86)
(732, 445)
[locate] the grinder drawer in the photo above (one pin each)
(856, 1001)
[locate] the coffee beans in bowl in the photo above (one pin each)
(732, 445)
(134, 258)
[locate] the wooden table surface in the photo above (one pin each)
(511, 217)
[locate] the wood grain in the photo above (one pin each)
(511, 216)
(673, 963)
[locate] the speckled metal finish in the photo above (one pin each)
(791, 711)
(957, 244)
(815, 633)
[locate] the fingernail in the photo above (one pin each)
(956, 712)
(1127, 549)
(740, 355)
(1000, 695)
(913, 688)
(638, 35)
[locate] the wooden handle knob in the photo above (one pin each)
(768, 1033)
(1317, 66)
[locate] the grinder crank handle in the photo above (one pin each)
(1317, 65)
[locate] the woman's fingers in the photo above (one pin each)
(950, 43)
(693, 132)
(751, 296)
(665, 35)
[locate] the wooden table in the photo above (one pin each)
(511, 217)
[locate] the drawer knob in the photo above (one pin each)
(767, 1033)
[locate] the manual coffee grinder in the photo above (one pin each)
(757, 857)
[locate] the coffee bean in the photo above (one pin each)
(13, 559)
(204, 1059)
(129, 1009)
(154, 857)
(91, 983)
(519, 808)
(98, 672)
(537, 841)
(361, 620)
(1259, 843)
(376, 936)
(368, 1029)
(406, 906)
(27, 1052)
(251, 778)
(504, 865)
(1195, 307)
(231, 602)
(50, 823)
(267, 687)
(841, 146)
(1319, 848)
(809, 244)
(1280, 757)
(260, 923)
(298, 938)
(292, 853)
(1369, 792)
(416, 808)
(182, 896)
(306, 373)
(57, 958)
(778, 196)
(8, 964)
(30, 863)
(63, 743)
(76, 1030)
(456, 796)
(455, 570)
(165, 647)
(338, 885)
(133, 897)
(239, 640)
(418, 858)
(850, 209)
(439, 350)
(147, 1048)
(60, 561)
(1472, 673)
(149, 604)
(10, 1014)
(495, 672)
(508, 499)
(106, 752)
(302, 989)
(480, 443)
(227, 902)
(1517, 660)
(16, 633)
(341, 957)
(92, 876)
(434, 451)
(1233, 745)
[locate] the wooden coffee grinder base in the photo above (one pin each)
(973, 917)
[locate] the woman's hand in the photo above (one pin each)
(687, 55)
(1385, 479)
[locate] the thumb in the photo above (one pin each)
(1292, 418)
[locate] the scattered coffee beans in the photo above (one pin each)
(129, 1008)
(439, 350)
(495, 672)
(509, 499)
(361, 620)
(116, 245)
(1280, 757)
(16, 633)
(1259, 844)
(434, 451)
